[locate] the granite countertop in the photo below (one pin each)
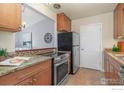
(116, 55)
(34, 60)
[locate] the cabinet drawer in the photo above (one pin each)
(27, 81)
(43, 77)
(20, 75)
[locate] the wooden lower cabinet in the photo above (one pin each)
(39, 74)
(27, 81)
(111, 69)
(42, 78)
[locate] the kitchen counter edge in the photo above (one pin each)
(4, 70)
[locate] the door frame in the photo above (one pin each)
(101, 42)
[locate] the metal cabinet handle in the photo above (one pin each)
(24, 76)
(65, 61)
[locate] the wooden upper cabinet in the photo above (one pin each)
(119, 21)
(63, 23)
(10, 17)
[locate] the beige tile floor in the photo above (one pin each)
(86, 77)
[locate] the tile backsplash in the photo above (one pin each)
(34, 51)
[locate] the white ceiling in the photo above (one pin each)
(80, 10)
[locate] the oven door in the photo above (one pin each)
(60, 71)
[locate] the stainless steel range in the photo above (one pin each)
(60, 67)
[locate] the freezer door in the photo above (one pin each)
(64, 41)
(75, 38)
(76, 58)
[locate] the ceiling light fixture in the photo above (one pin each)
(57, 6)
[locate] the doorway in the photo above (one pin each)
(91, 46)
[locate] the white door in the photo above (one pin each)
(90, 46)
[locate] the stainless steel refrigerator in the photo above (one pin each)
(69, 41)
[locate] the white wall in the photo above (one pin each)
(38, 31)
(107, 27)
(7, 39)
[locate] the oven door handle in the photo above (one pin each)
(65, 61)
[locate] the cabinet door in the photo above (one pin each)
(106, 65)
(10, 17)
(112, 69)
(43, 78)
(63, 22)
(59, 22)
(111, 74)
(119, 21)
(27, 81)
(114, 72)
(66, 23)
(69, 25)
